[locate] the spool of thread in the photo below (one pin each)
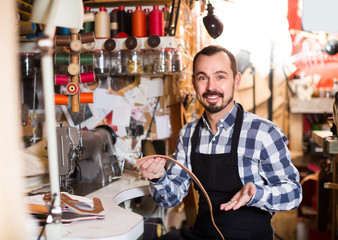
(62, 40)
(109, 44)
(87, 37)
(131, 43)
(75, 47)
(87, 77)
(61, 99)
(129, 22)
(60, 79)
(88, 46)
(61, 59)
(63, 31)
(86, 97)
(73, 88)
(121, 19)
(139, 23)
(73, 69)
(156, 22)
(26, 28)
(146, 11)
(86, 59)
(166, 18)
(88, 21)
(102, 24)
(114, 26)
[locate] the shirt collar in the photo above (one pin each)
(227, 121)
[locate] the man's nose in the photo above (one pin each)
(211, 85)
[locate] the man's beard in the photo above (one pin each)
(213, 107)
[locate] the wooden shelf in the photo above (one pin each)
(115, 3)
(314, 105)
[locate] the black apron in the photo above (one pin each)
(219, 175)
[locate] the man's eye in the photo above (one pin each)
(220, 77)
(201, 78)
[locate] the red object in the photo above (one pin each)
(61, 99)
(86, 97)
(103, 9)
(139, 23)
(61, 79)
(156, 22)
(87, 77)
(73, 88)
(121, 35)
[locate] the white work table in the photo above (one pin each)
(119, 223)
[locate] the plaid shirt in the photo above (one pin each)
(263, 158)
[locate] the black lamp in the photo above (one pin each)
(212, 23)
(331, 47)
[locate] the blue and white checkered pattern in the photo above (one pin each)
(263, 158)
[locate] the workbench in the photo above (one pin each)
(330, 146)
(119, 223)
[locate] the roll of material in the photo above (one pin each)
(62, 40)
(87, 77)
(75, 47)
(73, 88)
(73, 69)
(61, 99)
(60, 79)
(26, 28)
(87, 37)
(86, 97)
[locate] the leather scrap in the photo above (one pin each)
(192, 175)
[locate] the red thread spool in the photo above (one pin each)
(87, 77)
(86, 97)
(61, 99)
(73, 88)
(61, 79)
(156, 22)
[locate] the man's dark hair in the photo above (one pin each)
(213, 49)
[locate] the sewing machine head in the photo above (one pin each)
(87, 157)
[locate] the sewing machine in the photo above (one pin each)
(87, 157)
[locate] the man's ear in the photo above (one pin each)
(193, 81)
(238, 79)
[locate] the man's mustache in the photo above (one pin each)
(209, 93)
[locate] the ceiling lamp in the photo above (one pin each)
(212, 23)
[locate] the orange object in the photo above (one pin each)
(139, 23)
(61, 99)
(86, 97)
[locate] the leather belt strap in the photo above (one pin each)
(199, 184)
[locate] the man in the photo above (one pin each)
(242, 160)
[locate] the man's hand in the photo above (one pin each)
(241, 198)
(153, 168)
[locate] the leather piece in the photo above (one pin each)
(194, 178)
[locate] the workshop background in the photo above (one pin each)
(128, 80)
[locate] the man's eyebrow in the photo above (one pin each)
(221, 72)
(199, 73)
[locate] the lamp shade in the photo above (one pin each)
(212, 23)
(61, 13)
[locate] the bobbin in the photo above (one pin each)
(73, 88)
(62, 40)
(109, 44)
(87, 37)
(73, 69)
(154, 41)
(87, 97)
(60, 79)
(75, 47)
(60, 99)
(87, 77)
